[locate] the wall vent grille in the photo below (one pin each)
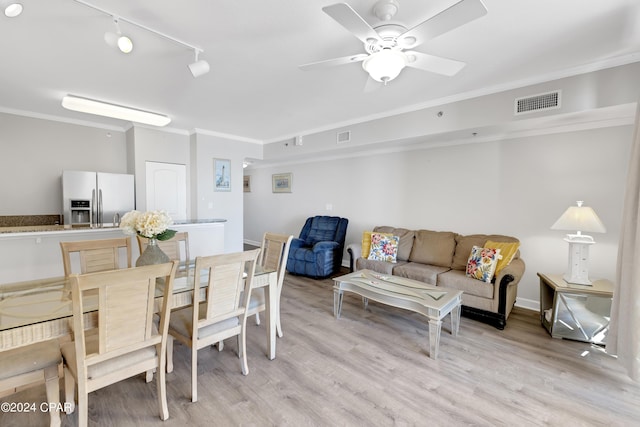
(343, 137)
(540, 102)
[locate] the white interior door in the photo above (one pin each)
(167, 188)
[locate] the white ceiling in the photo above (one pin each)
(255, 89)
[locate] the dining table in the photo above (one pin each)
(41, 310)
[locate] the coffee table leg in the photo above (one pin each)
(365, 302)
(435, 327)
(337, 302)
(455, 320)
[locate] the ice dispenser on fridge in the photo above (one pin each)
(80, 212)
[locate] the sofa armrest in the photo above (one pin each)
(355, 252)
(508, 277)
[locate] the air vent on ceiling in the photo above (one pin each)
(540, 102)
(343, 137)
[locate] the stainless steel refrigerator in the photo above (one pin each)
(96, 199)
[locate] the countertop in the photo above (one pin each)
(61, 228)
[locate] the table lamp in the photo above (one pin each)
(579, 218)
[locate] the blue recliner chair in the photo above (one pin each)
(317, 253)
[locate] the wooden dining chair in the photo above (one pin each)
(224, 312)
(31, 365)
(128, 341)
(171, 247)
(273, 255)
(95, 255)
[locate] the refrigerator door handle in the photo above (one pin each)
(100, 223)
(94, 209)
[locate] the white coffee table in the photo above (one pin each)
(430, 301)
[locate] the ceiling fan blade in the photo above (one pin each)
(434, 64)
(349, 18)
(459, 14)
(333, 62)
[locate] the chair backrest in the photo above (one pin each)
(324, 228)
(126, 306)
(228, 291)
(96, 255)
(171, 247)
(274, 253)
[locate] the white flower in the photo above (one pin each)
(148, 224)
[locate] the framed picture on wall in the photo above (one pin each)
(281, 182)
(246, 183)
(222, 174)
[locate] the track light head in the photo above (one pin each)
(118, 39)
(11, 8)
(199, 67)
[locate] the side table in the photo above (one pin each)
(575, 312)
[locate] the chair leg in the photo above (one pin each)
(258, 319)
(149, 376)
(169, 353)
(69, 391)
(161, 383)
(194, 373)
(52, 385)
(220, 345)
(242, 351)
(83, 406)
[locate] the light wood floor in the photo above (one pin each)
(371, 368)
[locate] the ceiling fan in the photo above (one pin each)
(388, 44)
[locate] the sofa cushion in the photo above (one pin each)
(507, 250)
(422, 272)
(456, 279)
(465, 243)
(382, 267)
(383, 247)
(434, 247)
(482, 263)
(406, 240)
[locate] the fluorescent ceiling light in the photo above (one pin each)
(91, 106)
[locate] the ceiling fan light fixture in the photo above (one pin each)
(385, 65)
(11, 8)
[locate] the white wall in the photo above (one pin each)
(517, 187)
(34, 152)
(220, 204)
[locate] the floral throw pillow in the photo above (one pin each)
(383, 247)
(482, 263)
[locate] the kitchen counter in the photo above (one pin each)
(31, 252)
(37, 229)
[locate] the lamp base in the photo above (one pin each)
(578, 268)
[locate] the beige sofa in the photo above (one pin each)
(440, 258)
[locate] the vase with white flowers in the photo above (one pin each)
(154, 225)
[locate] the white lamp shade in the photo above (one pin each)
(385, 65)
(579, 218)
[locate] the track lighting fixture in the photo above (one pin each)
(124, 43)
(11, 8)
(199, 67)
(118, 39)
